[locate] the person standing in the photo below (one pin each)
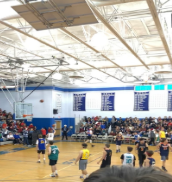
(149, 161)
(50, 136)
(43, 131)
(25, 136)
(106, 157)
(164, 147)
(41, 146)
(89, 136)
(128, 158)
(65, 131)
(136, 138)
(157, 139)
(118, 139)
(83, 160)
(141, 148)
(162, 133)
(53, 154)
(152, 137)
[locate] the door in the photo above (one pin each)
(58, 127)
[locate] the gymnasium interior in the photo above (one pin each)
(81, 64)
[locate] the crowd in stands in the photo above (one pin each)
(147, 127)
(17, 131)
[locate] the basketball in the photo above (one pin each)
(41, 101)
(53, 125)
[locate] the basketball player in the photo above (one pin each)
(53, 129)
(136, 138)
(83, 159)
(41, 146)
(50, 136)
(162, 133)
(118, 139)
(128, 158)
(53, 153)
(149, 161)
(164, 147)
(89, 133)
(141, 148)
(106, 157)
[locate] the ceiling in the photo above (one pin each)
(127, 46)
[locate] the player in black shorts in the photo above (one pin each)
(106, 157)
(41, 147)
(141, 148)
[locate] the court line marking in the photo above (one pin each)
(62, 178)
(72, 165)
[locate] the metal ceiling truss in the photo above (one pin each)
(114, 32)
(159, 27)
(53, 47)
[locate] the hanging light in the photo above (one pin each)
(31, 44)
(99, 40)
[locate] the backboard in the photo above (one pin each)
(23, 110)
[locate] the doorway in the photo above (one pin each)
(58, 127)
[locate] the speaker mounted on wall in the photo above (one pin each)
(55, 111)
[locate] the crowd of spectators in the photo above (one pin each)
(17, 131)
(147, 127)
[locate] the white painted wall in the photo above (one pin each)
(40, 110)
(64, 104)
(124, 104)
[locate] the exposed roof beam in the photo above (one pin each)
(146, 28)
(92, 48)
(108, 67)
(159, 27)
(38, 56)
(112, 2)
(55, 48)
(116, 33)
(2, 42)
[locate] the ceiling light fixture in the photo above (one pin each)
(99, 40)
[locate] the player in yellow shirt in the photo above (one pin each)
(83, 160)
(162, 133)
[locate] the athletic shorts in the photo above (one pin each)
(118, 143)
(41, 151)
(104, 164)
(82, 165)
(89, 137)
(164, 158)
(52, 162)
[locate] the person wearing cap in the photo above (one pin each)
(65, 131)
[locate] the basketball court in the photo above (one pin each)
(19, 163)
(63, 61)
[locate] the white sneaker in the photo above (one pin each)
(52, 175)
(56, 174)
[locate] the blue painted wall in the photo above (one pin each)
(48, 122)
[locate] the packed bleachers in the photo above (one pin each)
(129, 127)
(16, 132)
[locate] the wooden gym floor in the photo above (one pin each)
(18, 163)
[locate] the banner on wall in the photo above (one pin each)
(79, 102)
(58, 102)
(141, 101)
(169, 101)
(108, 102)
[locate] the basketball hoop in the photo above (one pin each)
(25, 115)
(29, 117)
